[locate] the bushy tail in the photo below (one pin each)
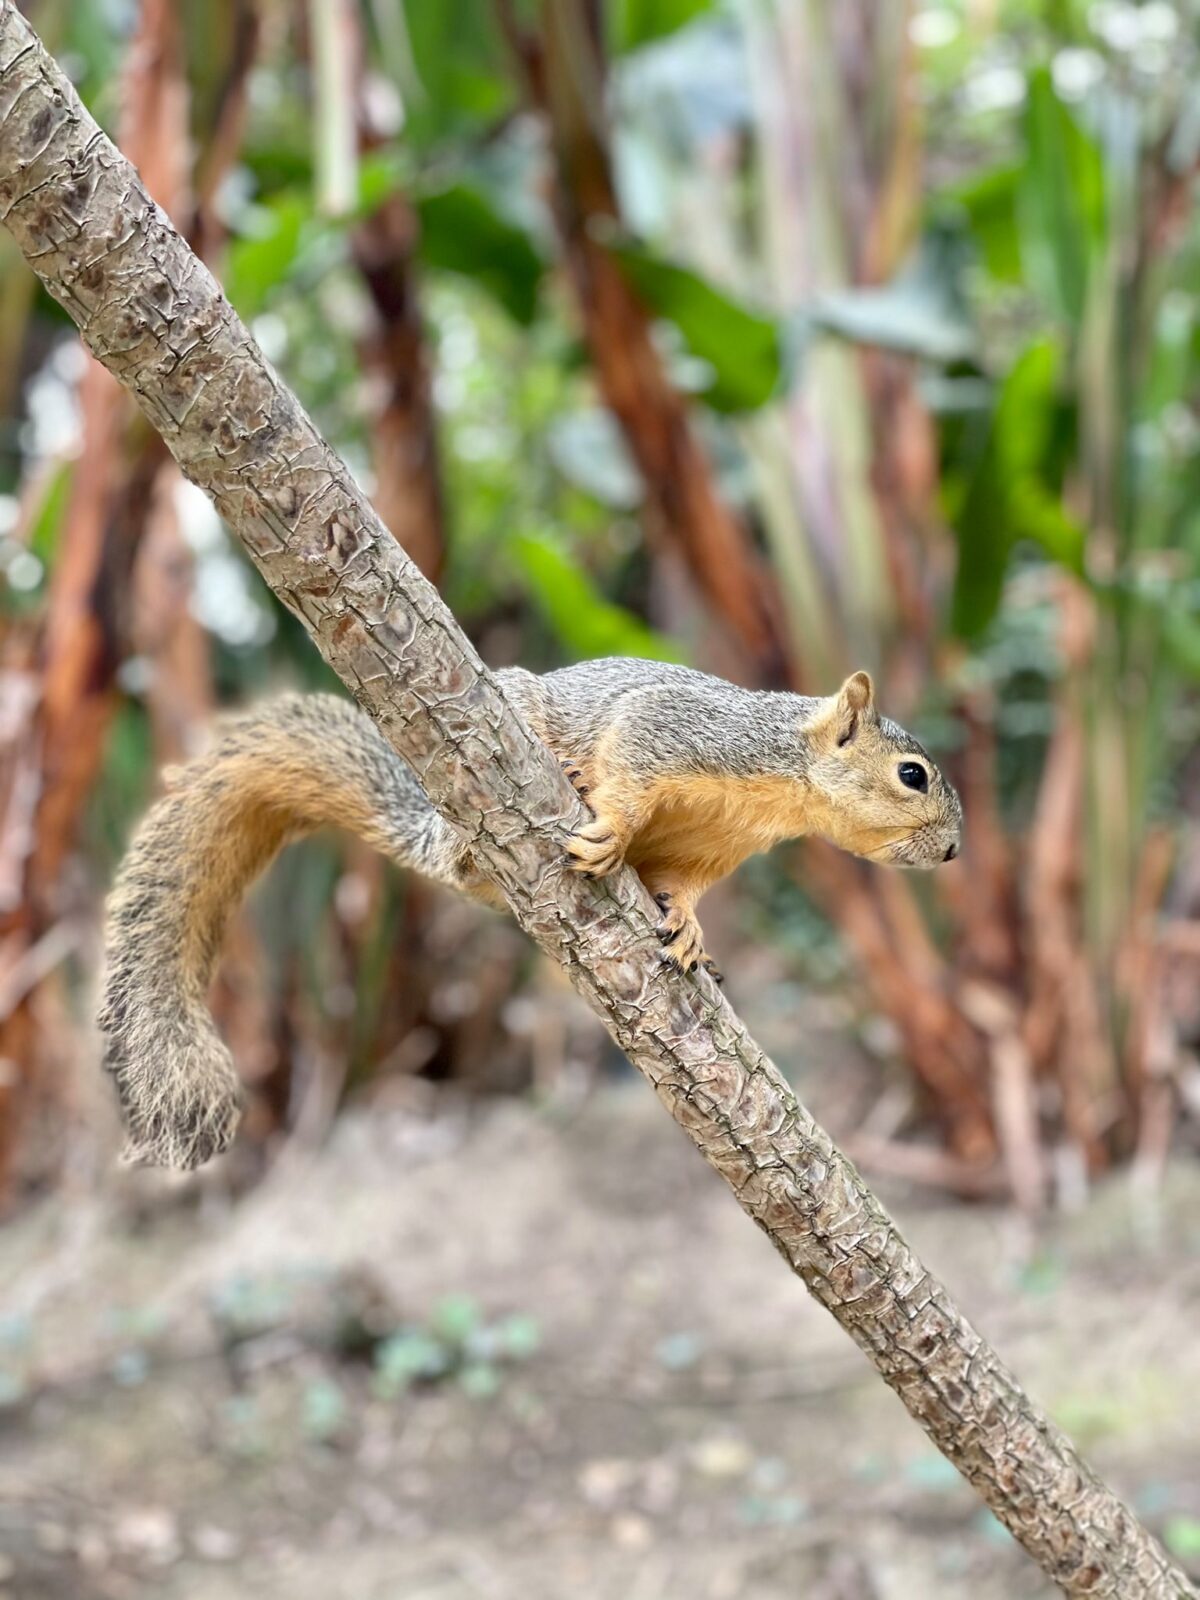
(277, 772)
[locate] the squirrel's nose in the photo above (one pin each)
(951, 853)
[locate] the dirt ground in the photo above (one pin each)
(202, 1399)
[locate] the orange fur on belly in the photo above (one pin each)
(700, 828)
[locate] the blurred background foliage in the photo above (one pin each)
(771, 336)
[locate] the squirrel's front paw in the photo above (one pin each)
(595, 849)
(680, 933)
(577, 778)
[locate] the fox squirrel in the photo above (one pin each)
(685, 776)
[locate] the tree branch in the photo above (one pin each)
(154, 316)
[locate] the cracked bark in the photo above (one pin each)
(154, 316)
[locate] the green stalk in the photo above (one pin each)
(335, 140)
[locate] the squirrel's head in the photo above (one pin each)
(885, 798)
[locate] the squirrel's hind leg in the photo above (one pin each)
(679, 931)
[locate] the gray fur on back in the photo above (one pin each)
(667, 718)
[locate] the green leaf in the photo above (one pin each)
(1182, 1536)
(1181, 635)
(325, 1410)
(54, 492)
(743, 348)
(479, 1380)
(460, 67)
(1036, 513)
(285, 231)
(990, 203)
(380, 174)
(1011, 495)
(520, 1336)
(587, 623)
(1041, 1275)
(638, 22)
(405, 1358)
(916, 313)
(1060, 201)
(455, 1318)
(258, 263)
(462, 232)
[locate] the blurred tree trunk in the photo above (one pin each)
(562, 71)
(408, 490)
(395, 357)
(161, 628)
(121, 582)
(838, 120)
(83, 636)
(1035, 992)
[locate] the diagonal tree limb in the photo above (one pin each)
(154, 316)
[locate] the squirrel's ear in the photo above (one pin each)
(855, 705)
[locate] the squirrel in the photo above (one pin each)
(685, 776)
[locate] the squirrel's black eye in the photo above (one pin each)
(913, 776)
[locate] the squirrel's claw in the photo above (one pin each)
(680, 931)
(595, 850)
(575, 776)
